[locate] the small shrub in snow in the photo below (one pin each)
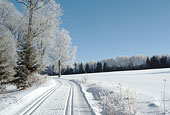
(119, 101)
(2, 88)
(84, 80)
(35, 80)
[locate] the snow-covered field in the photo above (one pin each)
(87, 94)
(148, 86)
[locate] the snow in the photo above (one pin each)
(80, 94)
(14, 99)
(148, 85)
(57, 96)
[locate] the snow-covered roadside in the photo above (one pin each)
(140, 104)
(91, 95)
(148, 85)
(93, 104)
(18, 99)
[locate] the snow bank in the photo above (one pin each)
(12, 102)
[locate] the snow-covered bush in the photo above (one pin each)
(84, 80)
(38, 79)
(34, 80)
(119, 101)
(2, 88)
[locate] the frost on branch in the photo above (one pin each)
(7, 54)
(119, 101)
(62, 52)
(41, 19)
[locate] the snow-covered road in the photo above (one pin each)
(64, 98)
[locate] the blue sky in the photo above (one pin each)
(108, 28)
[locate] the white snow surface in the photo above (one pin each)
(78, 94)
(14, 100)
(56, 97)
(148, 84)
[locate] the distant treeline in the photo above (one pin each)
(120, 63)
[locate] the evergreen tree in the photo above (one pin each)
(27, 62)
(148, 63)
(163, 61)
(76, 68)
(87, 68)
(105, 67)
(99, 67)
(81, 68)
(66, 71)
(155, 62)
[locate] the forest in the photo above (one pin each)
(120, 63)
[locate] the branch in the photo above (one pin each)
(40, 6)
(22, 2)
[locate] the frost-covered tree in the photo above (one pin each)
(7, 54)
(46, 21)
(9, 18)
(125, 61)
(62, 52)
(92, 66)
(41, 18)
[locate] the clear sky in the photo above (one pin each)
(108, 28)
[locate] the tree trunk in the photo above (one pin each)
(29, 36)
(59, 68)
